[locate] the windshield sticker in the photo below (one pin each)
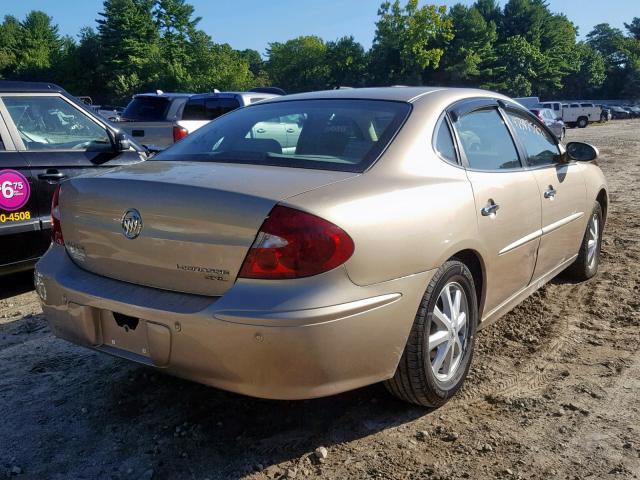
(14, 190)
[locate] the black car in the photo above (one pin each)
(46, 136)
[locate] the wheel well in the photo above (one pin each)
(602, 200)
(474, 263)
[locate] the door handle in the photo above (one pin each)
(551, 193)
(260, 130)
(52, 176)
(490, 209)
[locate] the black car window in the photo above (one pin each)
(146, 109)
(486, 141)
(540, 146)
(194, 110)
(216, 107)
(444, 142)
(51, 123)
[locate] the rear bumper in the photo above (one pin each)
(293, 339)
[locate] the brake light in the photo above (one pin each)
(295, 244)
(56, 229)
(179, 133)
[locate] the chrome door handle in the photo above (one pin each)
(490, 209)
(551, 193)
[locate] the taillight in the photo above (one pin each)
(179, 133)
(56, 229)
(295, 244)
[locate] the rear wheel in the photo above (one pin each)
(582, 122)
(586, 265)
(438, 353)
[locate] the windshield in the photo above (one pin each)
(343, 135)
(146, 109)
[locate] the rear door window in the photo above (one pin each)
(486, 141)
(146, 109)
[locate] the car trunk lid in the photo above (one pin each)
(198, 220)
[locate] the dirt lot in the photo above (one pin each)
(554, 392)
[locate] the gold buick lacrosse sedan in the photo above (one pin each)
(315, 243)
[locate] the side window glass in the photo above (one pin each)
(194, 110)
(486, 141)
(540, 146)
(50, 123)
(444, 142)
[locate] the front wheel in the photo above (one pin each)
(439, 349)
(586, 265)
(582, 122)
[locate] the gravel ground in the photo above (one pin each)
(553, 392)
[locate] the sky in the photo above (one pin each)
(255, 23)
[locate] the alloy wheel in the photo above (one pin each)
(592, 240)
(449, 331)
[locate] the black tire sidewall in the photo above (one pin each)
(453, 271)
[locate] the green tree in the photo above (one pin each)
(39, 45)
(468, 57)
(299, 64)
(129, 39)
(634, 28)
(176, 27)
(408, 41)
(347, 62)
(520, 65)
(589, 76)
(10, 35)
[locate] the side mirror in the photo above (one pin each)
(121, 141)
(581, 152)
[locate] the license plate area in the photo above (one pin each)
(124, 332)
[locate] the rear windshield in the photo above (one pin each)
(146, 109)
(342, 135)
(208, 109)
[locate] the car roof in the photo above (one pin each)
(15, 86)
(169, 95)
(395, 93)
(198, 96)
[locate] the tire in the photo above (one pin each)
(582, 122)
(415, 380)
(586, 265)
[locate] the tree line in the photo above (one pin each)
(520, 49)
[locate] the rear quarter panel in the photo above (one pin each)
(408, 213)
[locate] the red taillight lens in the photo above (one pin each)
(294, 244)
(56, 229)
(179, 133)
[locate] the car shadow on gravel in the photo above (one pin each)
(16, 284)
(177, 426)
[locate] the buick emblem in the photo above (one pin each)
(131, 223)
